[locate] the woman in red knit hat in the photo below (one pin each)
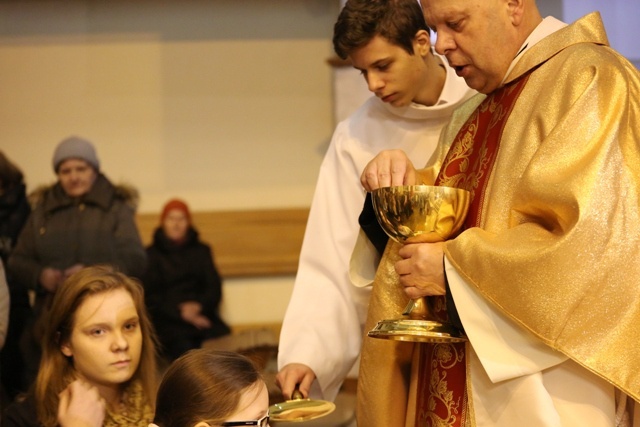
(182, 285)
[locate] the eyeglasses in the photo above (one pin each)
(262, 422)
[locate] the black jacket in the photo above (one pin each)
(14, 211)
(21, 413)
(180, 273)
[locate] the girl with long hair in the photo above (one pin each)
(98, 365)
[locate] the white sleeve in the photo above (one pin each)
(364, 261)
(324, 321)
(505, 349)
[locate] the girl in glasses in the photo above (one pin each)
(207, 388)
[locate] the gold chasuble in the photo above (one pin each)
(552, 239)
(441, 395)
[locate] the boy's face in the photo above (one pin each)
(392, 74)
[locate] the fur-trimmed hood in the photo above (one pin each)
(102, 193)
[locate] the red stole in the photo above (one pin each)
(442, 391)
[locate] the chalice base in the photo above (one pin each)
(416, 330)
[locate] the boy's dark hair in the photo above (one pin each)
(398, 21)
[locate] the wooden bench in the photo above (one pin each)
(246, 242)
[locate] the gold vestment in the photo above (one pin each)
(558, 248)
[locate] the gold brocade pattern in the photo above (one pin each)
(561, 219)
(138, 413)
(460, 153)
(385, 365)
(444, 357)
(472, 154)
(466, 176)
(557, 247)
(443, 395)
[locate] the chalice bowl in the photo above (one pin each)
(419, 214)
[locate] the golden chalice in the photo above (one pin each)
(419, 214)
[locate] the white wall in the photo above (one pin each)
(225, 103)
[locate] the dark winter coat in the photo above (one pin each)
(21, 413)
(14, 211)
(94, 229)
(179, 273)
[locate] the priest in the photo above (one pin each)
(543, 278)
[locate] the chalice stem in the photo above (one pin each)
(417, 309)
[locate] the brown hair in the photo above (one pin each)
(56, 370)
(397, 21)
(203, 385)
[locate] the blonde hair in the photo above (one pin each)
(56, 370)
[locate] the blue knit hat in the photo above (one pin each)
(75, 148)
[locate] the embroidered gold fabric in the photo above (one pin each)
(558, 250)
(385, 365)
(443, 357)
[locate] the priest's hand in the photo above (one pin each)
(388, 168)
(421, 270)
(295, 375)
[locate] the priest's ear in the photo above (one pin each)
(517, 8)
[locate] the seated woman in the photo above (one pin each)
(98, 365)
(207, 388)
(182, 286)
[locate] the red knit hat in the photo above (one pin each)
(175, 204)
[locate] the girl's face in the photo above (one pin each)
(106, 340)
(253, 405)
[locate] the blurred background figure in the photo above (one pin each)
(4, 321)
(81, 220)
(183, 288)
(14, 210)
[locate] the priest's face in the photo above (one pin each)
(393, 74)
(478, 37)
